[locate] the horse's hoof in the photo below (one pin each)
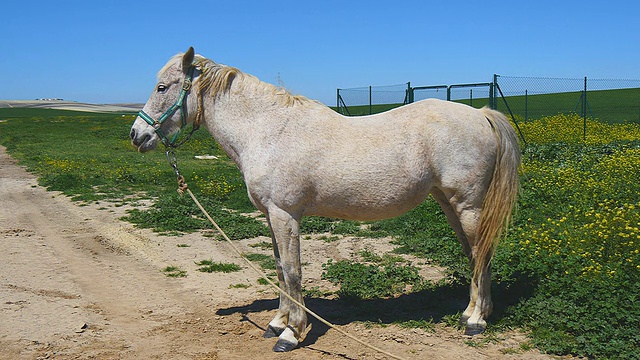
(284, 346)
(272, 332)
(472, 330)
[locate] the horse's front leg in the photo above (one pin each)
(291, 320)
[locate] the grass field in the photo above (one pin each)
(611, 106)
(6, 113)
(361, 110)
(568, 272)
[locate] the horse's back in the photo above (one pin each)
(383, 165)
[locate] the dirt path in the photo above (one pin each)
(77, 283)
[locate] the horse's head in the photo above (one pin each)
(169, 108)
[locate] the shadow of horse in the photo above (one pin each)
(442, 302)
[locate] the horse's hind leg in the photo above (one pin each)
(291, 320)
(464, 219)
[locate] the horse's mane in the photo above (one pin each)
(216, 79)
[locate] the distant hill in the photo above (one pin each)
(71, 105)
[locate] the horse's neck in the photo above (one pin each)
(243, 121)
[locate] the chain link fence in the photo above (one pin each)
(372, 99)
(607, 100)
(522, 98)
(526, 98)
(429, 92)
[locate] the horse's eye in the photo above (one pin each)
(161, 88)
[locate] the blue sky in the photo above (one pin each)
(110, 51)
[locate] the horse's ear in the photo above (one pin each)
(187, 59)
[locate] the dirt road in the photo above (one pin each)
(77, 283)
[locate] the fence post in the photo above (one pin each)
(491, 106)
(370, 99)
(511, 113)
(526, 105)
(338, 100)
(493, 101)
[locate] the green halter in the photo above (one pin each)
(178, 105)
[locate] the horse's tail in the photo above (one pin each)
(502, 193)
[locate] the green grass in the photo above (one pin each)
(265, 261)
(174, 271)
(6, 113)
(262, 245)
(567, 273)
(239, 286)
(89, 158)
(362, 110)
(210, 266)
(361, 281)
(611, 106)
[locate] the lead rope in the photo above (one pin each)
(182, 187)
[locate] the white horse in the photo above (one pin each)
(298, 158)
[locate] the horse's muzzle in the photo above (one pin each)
(143, 142)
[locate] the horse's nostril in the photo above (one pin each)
(133, 134)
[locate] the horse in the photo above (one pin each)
(298, 158)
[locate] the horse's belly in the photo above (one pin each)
(364, 205)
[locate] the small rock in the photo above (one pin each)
(82, 328)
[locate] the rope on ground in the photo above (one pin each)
(183, 187)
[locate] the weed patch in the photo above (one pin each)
(361, 281)
(174, 271)
(239, 286)
(210, 266)
(262, 245)
(266, 262)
